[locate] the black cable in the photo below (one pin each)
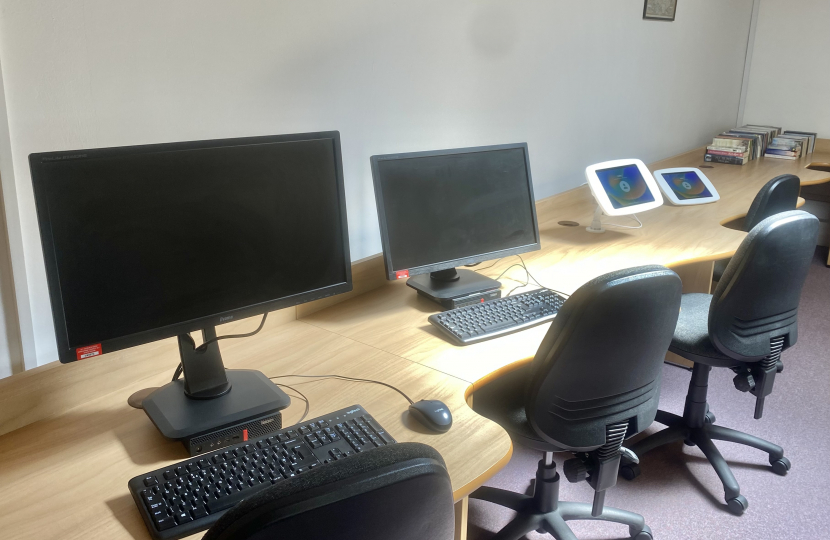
(508, 269)
(204, 345)
(302, 396)
(520, 285)
(560, 293)
(343, 377)
(486, 267)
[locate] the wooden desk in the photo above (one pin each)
(66, 476)
(71, 443)
(686, 238)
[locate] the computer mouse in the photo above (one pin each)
(432, 414)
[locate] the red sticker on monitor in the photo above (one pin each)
(88, 351)
(400, 274)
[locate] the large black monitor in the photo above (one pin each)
(442, 209)
(148, 242)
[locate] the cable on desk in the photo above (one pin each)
(560, 293)
(343, 377)
(523, 265)
(485, 268)
(640, 226)
(302, 396)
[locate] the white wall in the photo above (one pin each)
(789, 78)
(11, 359)
(580, 81)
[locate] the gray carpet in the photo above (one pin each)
(678, 491)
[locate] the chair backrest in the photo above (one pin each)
(778, 195)
(756, 300)
(398, 491)
(601, 360)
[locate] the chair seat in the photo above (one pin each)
(503, 402)
(691, 337)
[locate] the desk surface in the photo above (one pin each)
(72, 443)
(394, 319)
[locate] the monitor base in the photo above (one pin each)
(443, 291)
(252, 396)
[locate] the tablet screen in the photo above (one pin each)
(625, 186)
(687, 185)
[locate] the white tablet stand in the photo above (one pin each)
(600, 193)
(673, 196)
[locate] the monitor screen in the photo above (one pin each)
(446, 208)
(145, 238)
(625, 186)
(687, 185)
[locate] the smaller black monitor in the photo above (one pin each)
(447, 208)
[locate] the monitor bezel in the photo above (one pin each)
(402, 273)
(672, 196)
(66, 353)
(602, 198)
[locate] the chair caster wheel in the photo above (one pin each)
(738, 505)
(645, 534)
(781, 466)
(710, 418)
(688, 442)
(630, 471)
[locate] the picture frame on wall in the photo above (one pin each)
(659, 10)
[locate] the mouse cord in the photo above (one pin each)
(529, 277)
(342, 377)
(302, 397)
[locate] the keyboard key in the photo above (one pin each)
(182, 517)
(150, 481)
(385, 437)
(165, 523)
(198, 511)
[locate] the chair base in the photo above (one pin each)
(697, 428)
(544, 513)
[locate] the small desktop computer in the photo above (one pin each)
(443, 209)
(150, 242)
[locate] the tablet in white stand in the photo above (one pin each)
(685, 186)
(621, 187)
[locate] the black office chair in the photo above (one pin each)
(399, 491)
(594, 382)
(744, 326)
(778, 195)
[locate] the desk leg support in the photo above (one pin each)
(461, 510)
(697, 278)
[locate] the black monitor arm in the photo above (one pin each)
(204, 372)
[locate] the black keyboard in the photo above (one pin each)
(191, 495)
(471, 324)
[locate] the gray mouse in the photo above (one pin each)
(432, 414)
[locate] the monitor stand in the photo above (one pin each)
(447, 286)
(596, 223)
(210, 397)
